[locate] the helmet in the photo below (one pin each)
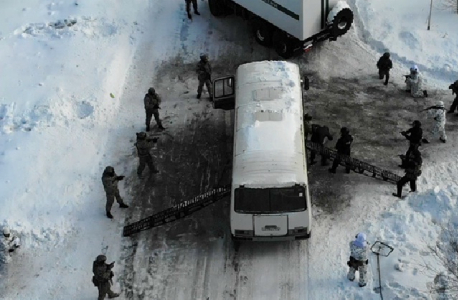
(416, 123)
(141, 135)
(344, 130)
(414, 68)
(386, 54)
(6, 231)
(101, 258)
(203, 56)
(151, 91)
(109, 170)
(440, 103)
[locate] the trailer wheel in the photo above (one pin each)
(217, 7)
(284, 45)
(263, 32)
(341, 22)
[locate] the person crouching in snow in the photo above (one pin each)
(10, 243)
(359, 251)
(438, 113)
(414, 83)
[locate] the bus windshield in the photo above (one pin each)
(270, 200)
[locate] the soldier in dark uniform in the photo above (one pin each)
(319, 134)
(414, 135)
(413, 170)
(454, 88)
(307, 125)
(204, 75)
(110, 184)
(102, 278)
(152, 102)
(384, 65)
(188, 8)
(343, 147)
(144, 146)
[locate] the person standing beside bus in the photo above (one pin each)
(343, 147)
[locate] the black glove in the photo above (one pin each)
(120, 177)
(367, 261)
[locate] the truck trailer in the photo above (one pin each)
(290, 26)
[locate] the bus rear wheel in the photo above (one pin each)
(263, 32)
(217, 7)
(284, 45)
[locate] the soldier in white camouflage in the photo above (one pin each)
(102, 278)
(414, 83)
(204, 75)
(152, 102)
(9, 244)
(438, 112)
(144, 145)
(359, 252)
(110, 185)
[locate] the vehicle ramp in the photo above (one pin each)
(356, 165)
(178, 211)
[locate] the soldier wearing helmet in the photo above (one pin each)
(412, 164)
(415, 136)
(144, 145)
(414, 83)
(204, 75)
(110, 185)
(188, 8)
(152, 102)
(9, 244)
(384, 65)
(102, 278)
(437, 112)
(343, 147)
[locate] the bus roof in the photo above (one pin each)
(268, 134)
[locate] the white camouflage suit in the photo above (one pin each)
(8, 245)
(438, 114)
(414, 83)
(359, 252)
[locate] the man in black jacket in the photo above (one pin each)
(415, 136)
(413, 170)
(102, 278)
(343, 147)
(454, 88)
(384, 65)
(319, 134)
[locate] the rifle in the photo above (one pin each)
(406, 76)
(434, 107)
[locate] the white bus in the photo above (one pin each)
(270, 195)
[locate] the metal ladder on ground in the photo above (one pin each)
(356, 165)
(178, 211)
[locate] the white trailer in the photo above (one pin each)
(291, 26)
(270, 198)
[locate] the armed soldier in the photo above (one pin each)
(414, 83)
(359, 252)
(144, 145)
(103, 277)
(110, 184)
(413, 170)
(152, 102)
(384, 65)
(204, 75)
(320, 134)
(415, 136)
(454, 88)
(188, 8)
(307, 126)
(343, 147)
(10, 243)
(438, 113)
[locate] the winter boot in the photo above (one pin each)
(361, 284)
(161, 127)
(189, 16)
(198, 96)
(114, 295)
(197, 12)
(425, 93)
(123, 205)
(109, 215)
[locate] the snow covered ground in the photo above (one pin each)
(71, 101)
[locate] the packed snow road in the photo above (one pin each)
(193, 258)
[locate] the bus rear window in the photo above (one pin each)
(271, 200)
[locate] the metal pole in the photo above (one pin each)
(429, 18)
